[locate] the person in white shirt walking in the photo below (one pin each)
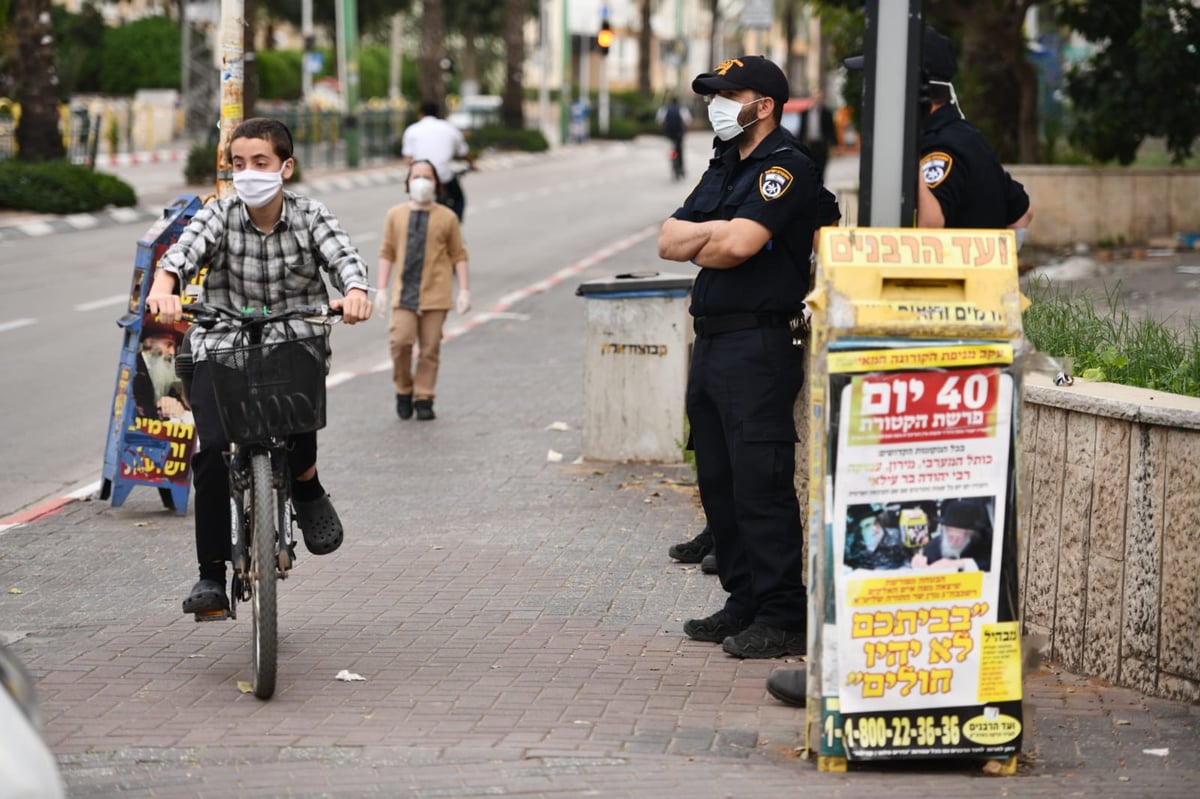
(433, 139)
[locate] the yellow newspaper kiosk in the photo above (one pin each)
(915, 639)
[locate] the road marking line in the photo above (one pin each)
(115, 299)
(16, 323)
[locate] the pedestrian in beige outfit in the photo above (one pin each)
(424, 239)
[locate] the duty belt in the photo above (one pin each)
(729, 323)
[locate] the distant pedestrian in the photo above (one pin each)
(674, 120)
(433, 139)
(817, 131)
(424, 240)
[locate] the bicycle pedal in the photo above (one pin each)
(213, 615)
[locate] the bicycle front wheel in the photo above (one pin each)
(263, 564)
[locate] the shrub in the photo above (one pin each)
(501, 138)
(1109, 345)
(140, 55)
(58, 187)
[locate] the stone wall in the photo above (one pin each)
(1089, 204)
(1109, 523)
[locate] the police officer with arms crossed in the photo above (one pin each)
(749, 225)
(962, 185)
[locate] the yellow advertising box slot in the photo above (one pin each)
(918, 283)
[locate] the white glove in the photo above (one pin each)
(463, 303)
(380, 300)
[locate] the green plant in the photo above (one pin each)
(201, 166)
(1110, 345)
(140, 55)
(58, 187)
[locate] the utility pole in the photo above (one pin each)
(564, 95)
(547, 63)
(308, 67)
(347, 26)
(233, 74)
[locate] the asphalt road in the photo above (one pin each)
(526, 219)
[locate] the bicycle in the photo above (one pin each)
(677, 159)
(266, 390)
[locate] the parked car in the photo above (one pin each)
(28, 769)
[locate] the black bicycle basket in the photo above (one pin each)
(270, 390)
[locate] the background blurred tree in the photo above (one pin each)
(1144, 80)
(38, 137)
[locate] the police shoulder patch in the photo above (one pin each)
(774, 182)
(936, 167)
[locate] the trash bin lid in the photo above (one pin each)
(629, 284)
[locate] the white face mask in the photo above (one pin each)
(421, 189)
(256, 189)
(723, 113)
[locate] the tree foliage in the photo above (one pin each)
(1144, 80)
(141, 55)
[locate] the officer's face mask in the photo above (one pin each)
(256, 189)
(723, 114)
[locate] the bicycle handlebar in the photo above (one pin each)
(207, 315)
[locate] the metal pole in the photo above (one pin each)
(564, 98)
(347, 26)
(547, 63)
(306, 29)
(396, 71)
(888, 168)
(233, 74)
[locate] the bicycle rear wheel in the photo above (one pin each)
(262, 574)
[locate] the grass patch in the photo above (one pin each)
(1106, 344)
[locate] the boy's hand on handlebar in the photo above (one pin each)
(166, 305)
(355, 306)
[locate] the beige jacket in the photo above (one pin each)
(443, 249)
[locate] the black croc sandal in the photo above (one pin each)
(320, 524)
(208, 596)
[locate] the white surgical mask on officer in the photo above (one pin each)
(723, 114)
(421, 189)
(255, 188)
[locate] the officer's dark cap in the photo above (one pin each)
(937, 57)
(748, 72)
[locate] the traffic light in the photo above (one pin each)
(604, 38)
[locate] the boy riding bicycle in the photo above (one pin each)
(264, 248)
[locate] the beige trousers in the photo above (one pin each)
(424, 329)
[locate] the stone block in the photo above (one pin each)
(1046, 515)
(1076, 513)
(1178, 688)
(1102, 636)
(1138, 675)
(1110, 492)
(1143, 543)
(1180, 617)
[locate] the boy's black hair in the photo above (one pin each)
(271, 130)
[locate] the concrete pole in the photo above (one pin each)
(347, 27)
(564, 98)
(396, 65)
(306, 29)
(233, 75)
(547, 64)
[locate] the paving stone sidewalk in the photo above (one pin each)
(516, 620)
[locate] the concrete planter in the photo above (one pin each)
(1109, 526)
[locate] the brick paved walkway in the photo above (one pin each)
(517, 622)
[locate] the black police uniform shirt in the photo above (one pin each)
(965, 175)
(776, 186)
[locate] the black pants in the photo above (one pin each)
(210, 472)
(453, 198)
(741, 390)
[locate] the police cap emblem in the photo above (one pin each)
(935, 168)
(774, 183)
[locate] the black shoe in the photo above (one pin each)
(424, 410)
(208, 596)
(320, 524)
(789, 686)
(708, 564)
(404, 406)
(715, 628)
(692, 551)
(764, 641)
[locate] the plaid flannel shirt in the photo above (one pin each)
(251, 269)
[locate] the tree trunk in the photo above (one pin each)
(714, 9)
(512, 110)
(432, 80)
(789, 38)
(38, 136)
(645, 54)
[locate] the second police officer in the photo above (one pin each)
(749, 225)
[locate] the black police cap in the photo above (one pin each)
(748, 72)
(937, 56)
